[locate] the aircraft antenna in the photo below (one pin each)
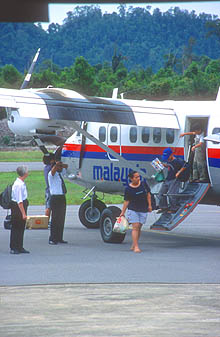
(115, 93)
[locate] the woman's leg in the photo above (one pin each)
(136, 232)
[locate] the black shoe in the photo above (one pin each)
(24, 251)
(14, 251)
(52, 242)
(62, 241)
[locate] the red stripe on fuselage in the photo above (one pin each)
(214, 153)
(124, 149)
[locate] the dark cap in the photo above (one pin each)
(166, 154)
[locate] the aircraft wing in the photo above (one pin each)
(215, 138)
(68, 105)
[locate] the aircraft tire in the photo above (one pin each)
(88, 218)
(107, 221)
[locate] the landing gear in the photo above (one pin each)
(107, 221)
(90, 212)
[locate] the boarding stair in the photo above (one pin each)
(189, 198)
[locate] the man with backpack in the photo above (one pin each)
(19, 205)
(171, 184)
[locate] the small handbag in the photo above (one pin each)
(121, 225)
(7, 222)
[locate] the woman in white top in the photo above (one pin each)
(19, 211)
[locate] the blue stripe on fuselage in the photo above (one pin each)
(103, 155)
(214, 162)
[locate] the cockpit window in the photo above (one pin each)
(113, 134)
(157, 135)
(216, 130)
(102, 133)
(145, 135)
(170, 136)
(133, 134)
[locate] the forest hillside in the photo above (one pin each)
(140, 38)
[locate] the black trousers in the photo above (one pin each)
(58, 213)
(18, 226)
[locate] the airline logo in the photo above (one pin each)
(113, 173)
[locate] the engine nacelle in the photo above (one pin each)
(27, 126)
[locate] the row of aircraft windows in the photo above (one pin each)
(133, 134)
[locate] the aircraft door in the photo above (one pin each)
(189, 141)
(114, 139)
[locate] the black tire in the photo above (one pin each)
(88, 217)
(107, 221)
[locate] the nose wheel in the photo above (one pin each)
(90, 213)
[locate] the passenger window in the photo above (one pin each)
(157, 135)
(133, 135)
(216, 130)
(102, 133)
(145, 136)
(113, 134)
(170, 136)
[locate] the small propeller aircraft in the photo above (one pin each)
(114, 136)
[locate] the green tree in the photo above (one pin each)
(188, 55)
(84, 76)
(11, 75)
(44, 79)
(213, 28)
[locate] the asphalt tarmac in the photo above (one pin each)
(89, 288)
(11, 166)
(189, 254)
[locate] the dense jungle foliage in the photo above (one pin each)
(171, 55)
(140, 37)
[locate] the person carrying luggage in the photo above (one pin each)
(171, 184)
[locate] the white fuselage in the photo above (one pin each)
(91, 165)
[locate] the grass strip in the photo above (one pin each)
(36, 189)
(21, 155)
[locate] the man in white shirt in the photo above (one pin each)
(19, 211)
(57, 203)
